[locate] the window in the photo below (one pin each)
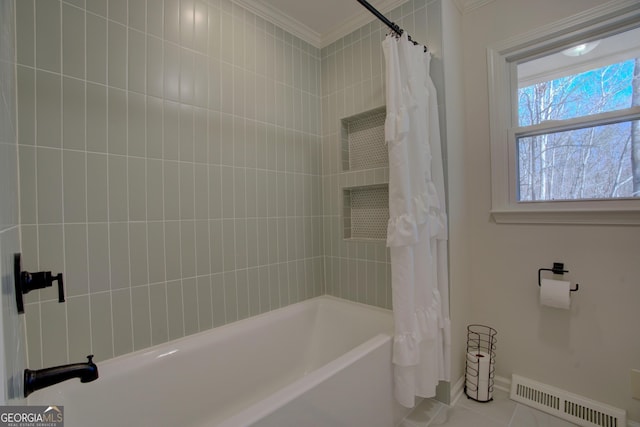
(565, 121)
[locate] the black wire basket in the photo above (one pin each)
(480, 366)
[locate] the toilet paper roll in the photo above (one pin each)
(555, 293)
(478, 373)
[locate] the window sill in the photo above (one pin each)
(568, 216)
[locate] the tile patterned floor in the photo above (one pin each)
(501, 412)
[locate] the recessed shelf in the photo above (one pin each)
(366, 212)
(363, 144)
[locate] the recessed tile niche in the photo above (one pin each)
(365, 205)
(363, 145)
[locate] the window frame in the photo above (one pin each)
(502, 59)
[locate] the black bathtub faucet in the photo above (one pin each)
(41, 378)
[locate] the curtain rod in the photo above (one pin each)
(394, 27)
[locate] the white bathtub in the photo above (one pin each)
(321, 362)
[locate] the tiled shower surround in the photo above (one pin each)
(180, 161)
(169, 165)
(353, 83)
(12, 359)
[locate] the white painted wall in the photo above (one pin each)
(591, 349)
(459, 262)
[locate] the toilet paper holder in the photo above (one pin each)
(480, 363)
(558, 268)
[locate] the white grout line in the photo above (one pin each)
(35, 162)
(208, 154)
(146, 173)
(164, 213)
(86, 190)
(180, 222)
(128, 193)
(62, 169)
(108, 202)
(513, 416)
(195, 212)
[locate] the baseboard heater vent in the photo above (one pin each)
(568, 406)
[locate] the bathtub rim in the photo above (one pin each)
(159, 350)
(121, 364)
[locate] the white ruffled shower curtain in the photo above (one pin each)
(417, 229)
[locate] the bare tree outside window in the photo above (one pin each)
(590, 162)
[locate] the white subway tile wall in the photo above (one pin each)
(170, 164)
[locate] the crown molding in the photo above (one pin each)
(358, 21)
(466, 6)
(263, 9)
(282, 20)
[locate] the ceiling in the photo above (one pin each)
(605, 51)
(320, 16)
(321, 22)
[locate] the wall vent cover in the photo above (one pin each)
(568, 406)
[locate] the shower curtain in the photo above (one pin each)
(417, 229)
